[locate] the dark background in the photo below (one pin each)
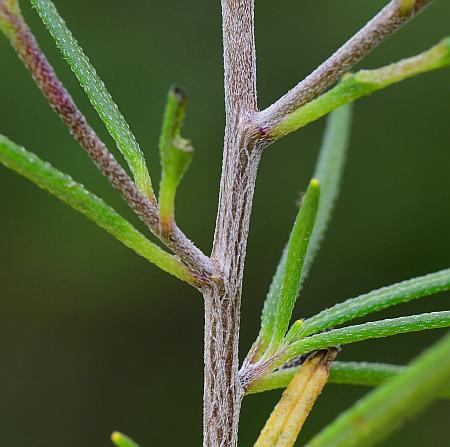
(92, 338)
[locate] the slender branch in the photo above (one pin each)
(75, 195)
(384, 24)
(60, 100)
(363, 83)
(97, 93)
(345, 373)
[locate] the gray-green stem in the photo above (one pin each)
(223, 392)
(391, 18)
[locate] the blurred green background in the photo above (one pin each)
(92, 338)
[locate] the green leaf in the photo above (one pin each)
(121, 440)
(269, 311)
(346, 373)
(377, 300)
(329, 170)
(97, 93)
(280, 302)
(366, 331)
(75, 195)
(176, 156)
(363, 83)
(384, 410)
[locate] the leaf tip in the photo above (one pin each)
(178, 93)
(116, 437)
(315, 183)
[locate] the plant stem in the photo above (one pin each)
(363, 83)
(60, 100)
(75, 195)
(223, 391)
(392, 17)
(97, 93)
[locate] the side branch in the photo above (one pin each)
(383, 25)
(60, 100)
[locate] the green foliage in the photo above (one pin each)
(75, 195)
(377, 300)
(280, 302)
(373, 418)
(329, 171)
(176, 156)
(403, 391)
(97, 93)
(365, 331)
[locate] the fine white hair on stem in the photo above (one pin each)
(384, 24)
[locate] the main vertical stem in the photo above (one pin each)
(223, 392)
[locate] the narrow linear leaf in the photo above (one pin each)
(269, 311)
(345, 373)
(287, 418)
(366, 331)
(121, 440)
(75, 195)
(385, 409)
(292, 271)
(363, 83)
(176, 156)
(329, 170)
(97, 93)
(377, 300)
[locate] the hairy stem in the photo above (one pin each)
(27, 48)
(78, 197)
(392, 17)
(223, 392)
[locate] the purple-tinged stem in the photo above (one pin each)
(391, 18)
(26, 46)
